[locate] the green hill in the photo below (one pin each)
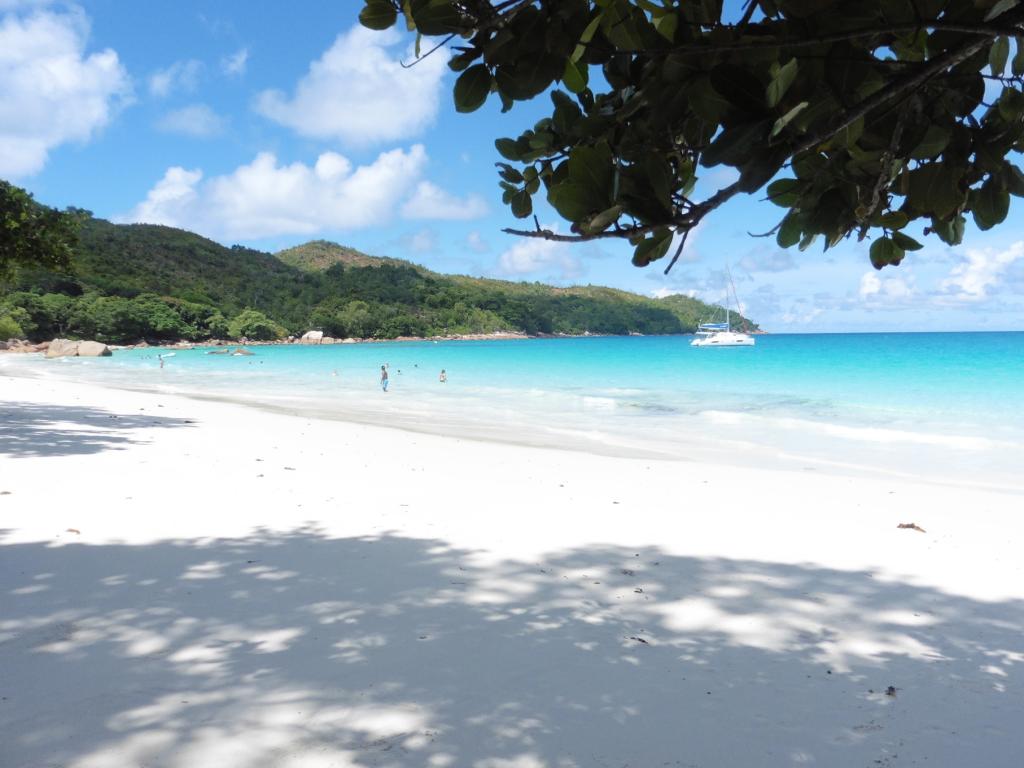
(321, 255)
(142, 281)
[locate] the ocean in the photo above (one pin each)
(933, 405)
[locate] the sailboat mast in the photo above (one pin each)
(728, 273)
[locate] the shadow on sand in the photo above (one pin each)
(52, 430)
(301, 650)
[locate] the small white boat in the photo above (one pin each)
(722, 334)
(719, 335)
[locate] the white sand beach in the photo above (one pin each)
(189, 584)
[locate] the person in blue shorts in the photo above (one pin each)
(384, 378)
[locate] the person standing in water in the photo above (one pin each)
(384, 378)
(443, 378)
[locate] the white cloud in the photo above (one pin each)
(876, 289)
(53, 92)
(265, 198)
(533, 255)
(772, 261)
(196, 120)
(180, 76)
(801, 314)
(980, 272)
(661, 293)
(423, 241)
(429, 201)
(476, 243)
(359, 93)
(235, 64)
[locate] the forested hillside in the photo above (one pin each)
(131, 282)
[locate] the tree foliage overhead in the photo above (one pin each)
(877, 113)
(33, 234)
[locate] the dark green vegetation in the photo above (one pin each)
(31, 233)
(874, 111)
(131, 282)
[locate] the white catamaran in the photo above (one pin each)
(722, 334)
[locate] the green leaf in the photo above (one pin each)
(619, 24)
(592, 167)
(884, 252)
(807, 165)
(709, 105)
(999, 8)
(789, 231)
(934, 188)
(667, 25)
(574, 201)
(734, 145)
(529, 76)
(471, 88)
(653, 248)
(785, 192)
(1011, 105)
(935, 140)
(509, 174)
(780, 83)
(588, 32)
(950, 231)
(783, 121)
(998, 54)
(1017, 66)
(893, 220)
(437, 17)
(522, 205)
(990, 204)
(575, 76)
(1014, 180)
(601, 221)
(378, 14)
(742, 89)
(906, 242)
(849, 135)
(508, 149)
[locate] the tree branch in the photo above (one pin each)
(682, 243)
(989, 30)
(894, 91)
(547, 234)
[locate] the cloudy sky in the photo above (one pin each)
(260, 124)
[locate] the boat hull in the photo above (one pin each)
(723, 339)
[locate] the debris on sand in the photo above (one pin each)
(912, 527)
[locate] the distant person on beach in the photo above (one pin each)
(443, 378)
(161, 360)
(384, 378)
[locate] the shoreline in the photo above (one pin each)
(791, 444)
(23, 346)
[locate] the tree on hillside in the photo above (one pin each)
(32, 234)
(252, 324)
(873, 113)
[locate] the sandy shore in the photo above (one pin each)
(187, 584)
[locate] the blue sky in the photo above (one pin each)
(270, 124)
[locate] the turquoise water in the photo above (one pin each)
(886, 399)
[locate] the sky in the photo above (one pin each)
(270, 124)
